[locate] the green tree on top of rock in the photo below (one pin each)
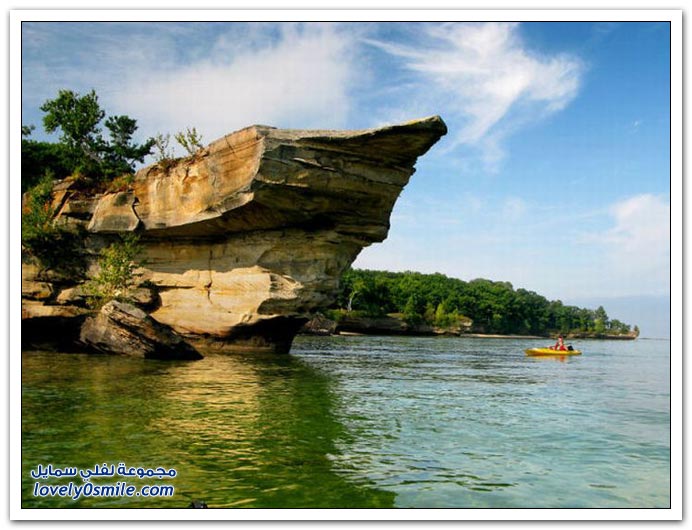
(81, 150)
(79, 118)
(122, 153)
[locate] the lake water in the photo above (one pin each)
(361, 422)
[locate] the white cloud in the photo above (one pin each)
(82, 56)
(215, 77)
(488, 79)
(300, 80)
(638, 245)
(626, 251)
(642, 226)
(220, 77)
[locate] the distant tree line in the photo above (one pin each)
(494, 307)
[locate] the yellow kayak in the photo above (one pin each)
(547, 351)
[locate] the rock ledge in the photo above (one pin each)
(244, 241)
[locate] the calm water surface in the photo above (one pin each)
(362, 422)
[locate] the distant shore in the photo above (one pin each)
(393, 325)
(472, 336)
(495, 336)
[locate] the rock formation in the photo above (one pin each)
(247, 238)
(121, 328)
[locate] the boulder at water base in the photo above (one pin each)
(123, 329)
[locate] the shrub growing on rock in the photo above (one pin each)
(52, 246)
(116, 275)
(190, 140)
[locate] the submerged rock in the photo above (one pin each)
(123, 329)
(319, 325)
(248, 238)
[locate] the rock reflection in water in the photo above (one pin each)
(241, 431)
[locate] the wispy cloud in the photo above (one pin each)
(487, 77)
(215, 77)
(219, 77)
(625, 251)
(300, 78)
(642, 227)
(638, 243)
(85, 55)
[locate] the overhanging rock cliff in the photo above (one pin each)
(247, 238)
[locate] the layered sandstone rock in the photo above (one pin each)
(247, 238)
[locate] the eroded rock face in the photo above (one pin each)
(250, 236)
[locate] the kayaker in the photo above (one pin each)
(560, 344)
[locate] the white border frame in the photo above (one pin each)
(14, 141)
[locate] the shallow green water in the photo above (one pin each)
(346, 422)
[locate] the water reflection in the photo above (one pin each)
(551, 358)
(435, 423)
(242, 431)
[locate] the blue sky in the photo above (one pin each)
(555, 172)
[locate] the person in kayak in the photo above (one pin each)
(559, 345)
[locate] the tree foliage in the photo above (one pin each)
(78, 118)
(494, 307)
(102, 151)
(39, 157)
(53, 246)
(120, 155)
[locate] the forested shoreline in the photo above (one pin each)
(477, 306)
